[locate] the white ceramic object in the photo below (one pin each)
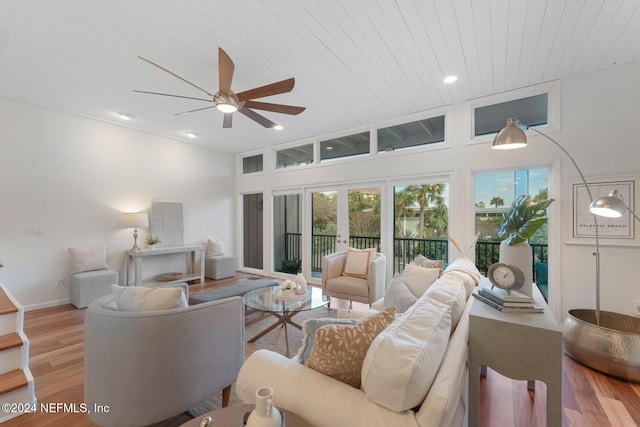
(302, 284)
(521, 256)
(265, 414)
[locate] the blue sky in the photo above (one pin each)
(503, 184)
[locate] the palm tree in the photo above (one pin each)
(426, 195)
(497, 202)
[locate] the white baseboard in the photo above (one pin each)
(47, 304)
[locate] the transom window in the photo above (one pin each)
(407, 135)
(532, 111)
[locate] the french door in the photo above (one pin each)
(344, 216)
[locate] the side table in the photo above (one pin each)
(521, 346)
(232, 416)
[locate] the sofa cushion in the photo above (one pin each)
(403, 360)
(349, 285)
(399, 294)
(140, 298)
(449, 290)
(357, 263)
(309, 328)
(338, 350)
(418, 279)
(87, 259)
(467, 271)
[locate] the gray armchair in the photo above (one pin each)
(364, 290)
(149, 366)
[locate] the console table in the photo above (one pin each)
(190, 251)
(521, 346)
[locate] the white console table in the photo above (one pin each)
(521, 346)
(138, 256)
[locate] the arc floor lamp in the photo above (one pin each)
(606, 341)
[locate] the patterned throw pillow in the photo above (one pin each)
(339, 350)
(425, 262)
(357, 263)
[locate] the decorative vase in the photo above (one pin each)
(521, 256)
(265, 414)
(302, 284)
(152, 247)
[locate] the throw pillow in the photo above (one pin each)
(88, 259)
(339, 350)
(140, 298)
(425, 262)
(309, 328)
(418, 279)
(399, 294)
(215, 247)
(357, 263)
(403, 360)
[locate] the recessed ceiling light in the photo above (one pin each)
(450, 79)
(329, 147)
(191, 135)
(278, 127)
(125, 116)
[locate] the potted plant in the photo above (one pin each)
(152, 242)
(525, 218)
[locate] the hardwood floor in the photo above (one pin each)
(57, 363)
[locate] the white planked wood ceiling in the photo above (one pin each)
(355, 61)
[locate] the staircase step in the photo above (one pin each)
(6, 305)
(10, 341)
(12, 380)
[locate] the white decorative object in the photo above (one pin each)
(302, 284)
(265, 414)
(521, 256)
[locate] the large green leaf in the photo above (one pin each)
(524, 219)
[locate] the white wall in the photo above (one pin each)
(595, 118)
(73, 176)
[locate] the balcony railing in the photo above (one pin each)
(405, 250)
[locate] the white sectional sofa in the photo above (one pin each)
(323, 401)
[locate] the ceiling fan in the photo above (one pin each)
(229, 102)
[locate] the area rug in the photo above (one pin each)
(273, 341)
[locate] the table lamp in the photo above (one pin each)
(135, 220)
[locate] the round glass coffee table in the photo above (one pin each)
(232, 416)
(267, 300)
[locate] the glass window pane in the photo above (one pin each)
(531, 111)
(324, 217)
(494, 195)
(252, 164)
(294, 156)
(252, 230)
(345, 146)
(364, 218)
(287, 233)
(406, 135)
(421, 220)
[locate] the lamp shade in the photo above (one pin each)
(135, 220)
(611, 206)
(511, 136)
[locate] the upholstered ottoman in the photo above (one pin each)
(89, 285)
(219, 267)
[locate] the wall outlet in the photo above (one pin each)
(61, 283)
(635, 310)
(34, 230)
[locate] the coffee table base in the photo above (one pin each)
(283, 319)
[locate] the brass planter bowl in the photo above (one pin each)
(613, 347)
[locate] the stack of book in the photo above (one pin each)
(515, 302)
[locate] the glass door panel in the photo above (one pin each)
(364, 218)
(252, 230)
(324, 227)
(287, 233)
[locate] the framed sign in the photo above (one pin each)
(622, 228)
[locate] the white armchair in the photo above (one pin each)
(361, 289)
(149, 366)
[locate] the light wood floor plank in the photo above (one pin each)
(589, 398)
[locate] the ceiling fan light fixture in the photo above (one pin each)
(227, 108)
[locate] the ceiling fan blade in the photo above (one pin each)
(175, 96)
(192, 111)
(175, 75)
(276, 108)
(227, 121)
(225, 71)
(257, 117)
(268, 90)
